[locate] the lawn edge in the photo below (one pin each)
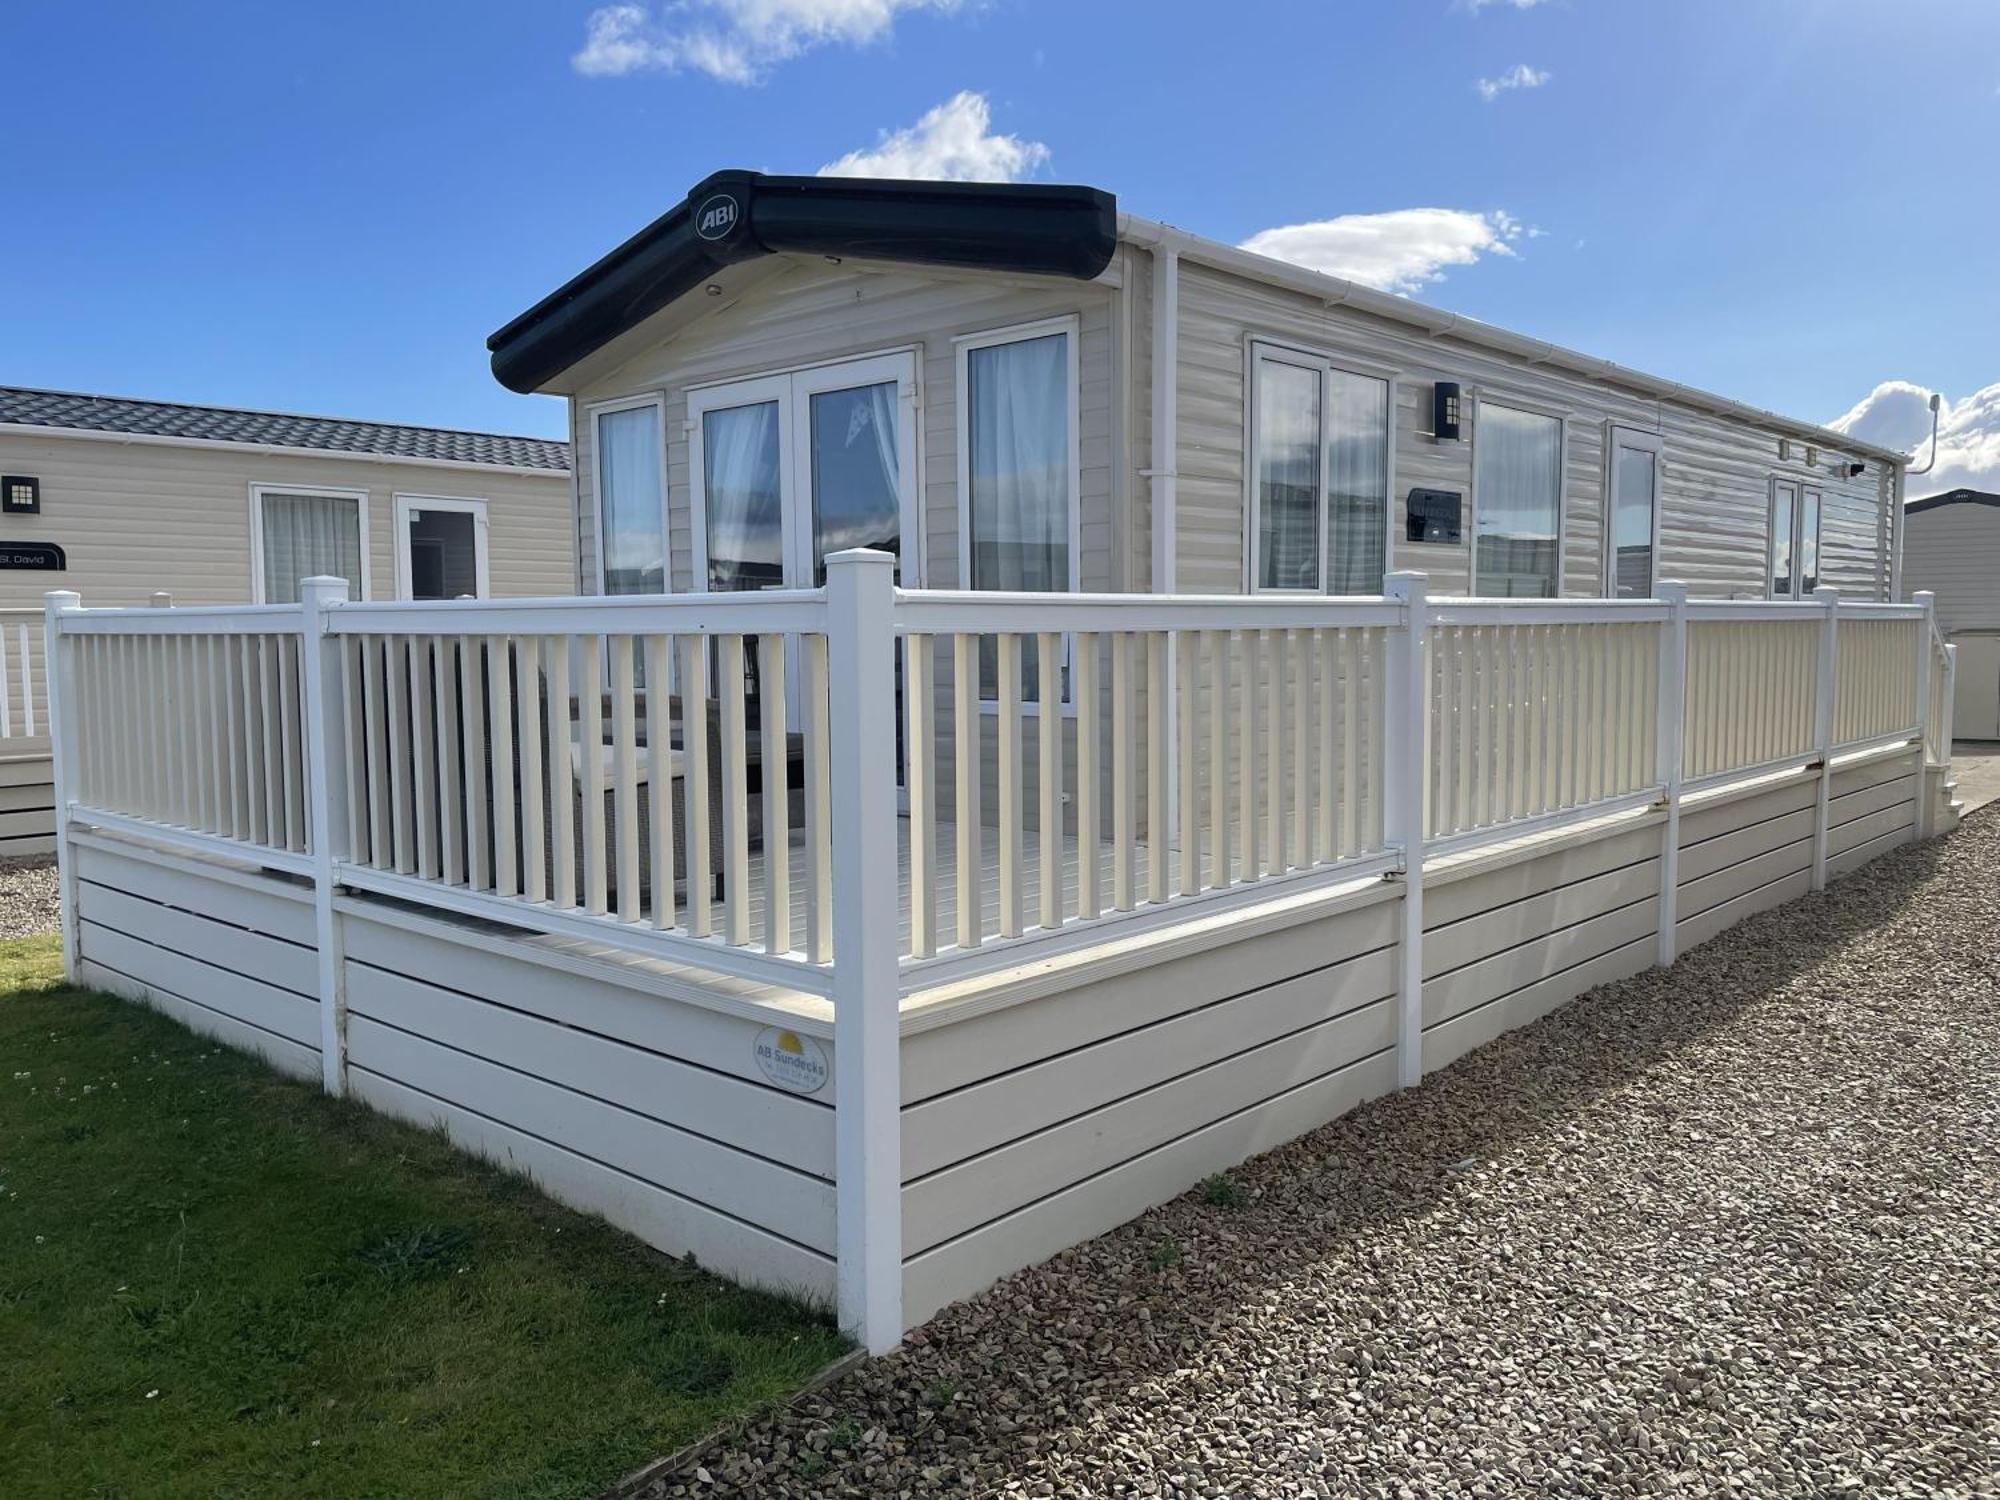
(686, 1457)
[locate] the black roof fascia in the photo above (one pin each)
(736, 216)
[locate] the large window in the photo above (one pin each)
(631, 498)
(1517, 503)
(1320, 475)
(1018, 467)
(1794, 550)
(302, 533)
(1632, 514)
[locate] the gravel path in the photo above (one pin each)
(1729, 1230)
(28, 896)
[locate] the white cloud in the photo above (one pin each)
(1896, 414)
(954, 143)
(736, 41)
(1520, 76)
(1399, 251)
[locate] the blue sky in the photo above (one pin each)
(327, 208)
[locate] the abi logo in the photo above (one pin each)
(716, 217)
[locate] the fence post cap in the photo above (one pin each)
(1673, 591)
(321, 589)
(1826, 593)
(56, 599)
(860, 555)
(1406, 583)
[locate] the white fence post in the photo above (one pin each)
(326, 774)
(161, 599)
(1672, 718)
(59, 683)
(867, 1045)
(1404, 766)
(1823, 708)
(1926, 629)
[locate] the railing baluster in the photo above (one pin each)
(1007, 747)
(1088, 727)
(777, 794)
(694, 785)
(966, 729)
(1218, 758)
(1300, 680)
(1187, 661)
(1273, 648)
(1159, 859)
(424, 769)
(1049, 778)
(452, 842)
(735, 793)
(501, 786)
(819, 798)
(659, 778)
(1121, 771)
(402, 797)
(920, 775)
(1248, 758)
(1350, 741)
(625, 778)
(589, 749)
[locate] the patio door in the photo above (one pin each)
(1631, 513)
(789, 468)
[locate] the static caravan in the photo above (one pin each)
(974, 372)
(1952, 549)
(1054, 708)
(122, 499)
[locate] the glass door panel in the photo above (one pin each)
(855, 472)
(742, 460)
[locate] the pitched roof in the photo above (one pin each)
(22, 406)
(1952, 497)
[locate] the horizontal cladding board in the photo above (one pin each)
(1726, 815)
(479, 965)
(782, 1127)
(1731, 881)
(675, 1225)
(792, 1204)
(26, 824)
(1852, 805)
(1452, 1039)
(27, 770)
(271, 960)
(273, 907)
(1755, 838)
(27, 796)
(959, 1053)
(24, 845)
(1871, 773)
(948, 1203)
(1859, 855)
(951, 1127)
(1489, 979)
(976, 1260)
(1690, 931)
(1497, 929)
(262, 1005)
(1888, 820)
(1454, 900)
(281, 1052)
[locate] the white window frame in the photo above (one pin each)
(470, 505)
(596, 411)
(1799, 487)
(1643, 440)
(1257, 350)
(258, 490)
(1072, 325)
(793, 390)
(1481, 399)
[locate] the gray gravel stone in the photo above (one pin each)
(1729, 1229)
(28, 896)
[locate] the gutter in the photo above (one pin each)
(1335, 291)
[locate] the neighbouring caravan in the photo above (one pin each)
(1952, 549)
(978, 364)
(122, 500)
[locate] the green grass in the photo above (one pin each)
(215, 1282)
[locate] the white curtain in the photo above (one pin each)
(857, 496)
(631, 501)
(1288, 475)
(746, 539)
(310, 536)
(1357, 482)
(1519, 488)
(1020, 497)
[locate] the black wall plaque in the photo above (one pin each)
(1434, 515)
(34, 557)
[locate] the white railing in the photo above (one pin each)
(661, 773)
(23, 684)
(1942, 665)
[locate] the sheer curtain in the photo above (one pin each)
(1357, 482)
(1518, 495)
(856, 471)
(1018, 460)
(746, 538)
(309, 536)
(631, 501)
(1288, 473)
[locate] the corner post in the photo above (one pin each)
(1926, 631)
(867, 1043)
(1406, 727)
(1672, 718)
(59, 675)
(326, 809)
(1828, 599)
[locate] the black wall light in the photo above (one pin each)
(20, 495)
(1444, 411)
